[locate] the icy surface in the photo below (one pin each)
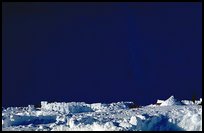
(170, 101)
(171, 115)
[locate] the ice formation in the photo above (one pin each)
(170, 115)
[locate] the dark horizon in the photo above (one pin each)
(100, 52)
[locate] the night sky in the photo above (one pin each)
(100, 52)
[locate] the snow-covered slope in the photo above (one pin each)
(172, 115)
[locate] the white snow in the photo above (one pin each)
(72, 107)
(170, 101)
(171, 115)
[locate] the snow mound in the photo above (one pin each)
(71, 107)
(171, 101)
(188, 102)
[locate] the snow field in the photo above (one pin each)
(170, 115)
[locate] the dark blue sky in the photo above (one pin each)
(100, 52)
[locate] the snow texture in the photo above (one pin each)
(170, 115)
(171, 101)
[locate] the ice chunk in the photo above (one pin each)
(170, 101)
